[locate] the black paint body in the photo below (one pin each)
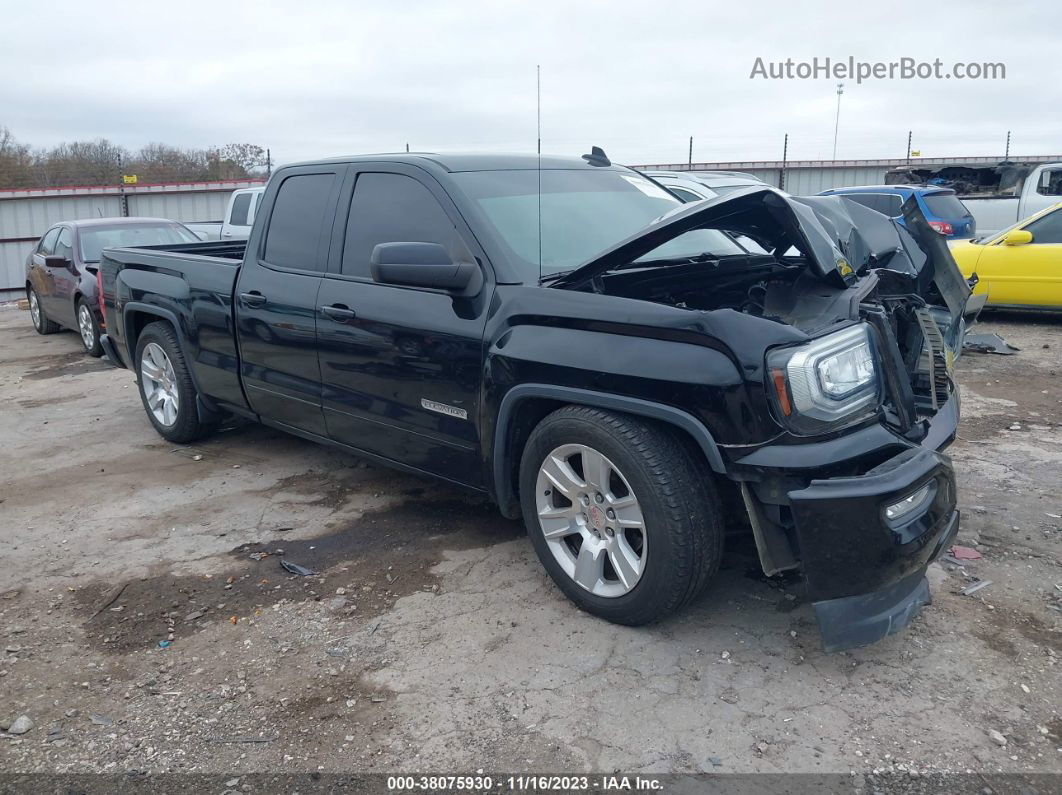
(348, 361)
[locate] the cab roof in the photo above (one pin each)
(470, 161)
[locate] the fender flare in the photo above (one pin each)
(586, 397)
(205, 407)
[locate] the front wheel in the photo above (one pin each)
(166, 387)
(621, 514)
(88, 328)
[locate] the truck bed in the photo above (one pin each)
(190, 285)
(229, 250)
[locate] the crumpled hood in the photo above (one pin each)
(837, 238)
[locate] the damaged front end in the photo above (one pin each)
(852, 487)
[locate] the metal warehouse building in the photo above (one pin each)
(808, 177)
(27, 213)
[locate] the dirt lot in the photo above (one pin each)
(433, 640)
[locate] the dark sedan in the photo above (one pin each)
(61, 270)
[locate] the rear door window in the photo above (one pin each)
(301, 219)
(885, 203)
(866, 199)
(892, 204)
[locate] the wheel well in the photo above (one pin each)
(530, 411)
(135, 323)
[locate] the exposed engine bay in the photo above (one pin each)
(813, 263)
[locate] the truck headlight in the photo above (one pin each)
(827, 383)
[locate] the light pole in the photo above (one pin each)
(837, 119)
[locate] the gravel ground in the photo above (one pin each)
(146, 623)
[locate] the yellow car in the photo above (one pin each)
(1021, 266)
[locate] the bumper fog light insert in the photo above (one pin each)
(909, 504)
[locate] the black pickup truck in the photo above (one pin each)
(633, 375)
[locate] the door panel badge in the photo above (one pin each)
(442, 408)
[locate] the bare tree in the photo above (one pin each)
(249, 157)
(163, 163)
(16, 161)
(235, 161)
(81, 163)
(102, 162)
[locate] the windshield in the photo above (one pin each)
(583, 213)
(96, 238)
(945, 205)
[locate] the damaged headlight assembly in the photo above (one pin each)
(826, 384)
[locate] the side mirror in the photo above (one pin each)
(420, 265)
(1017, 237)
(55, 261)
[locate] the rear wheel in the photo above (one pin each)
(166, 387)
(88, 328)
(623, 517)
(40, 321)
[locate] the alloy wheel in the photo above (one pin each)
(35, 309)
(86, 326)
(159, 384)
(591, 520)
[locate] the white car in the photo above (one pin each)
(691, 186)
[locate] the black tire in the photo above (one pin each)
(94, 348)
(41, 323)
(681, 509)
(187, 426)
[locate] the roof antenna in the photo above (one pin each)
(538, 123)
(597, 157)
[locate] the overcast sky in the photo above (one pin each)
(310, 79)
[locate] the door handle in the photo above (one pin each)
(253, 298)
(339, 312)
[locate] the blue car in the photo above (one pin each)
(940, 206)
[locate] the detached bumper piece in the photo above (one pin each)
(866, 541)
(112, 352)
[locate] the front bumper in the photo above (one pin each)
(865, 572)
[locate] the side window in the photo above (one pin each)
(1047, 229)
(298, 221)
(392, 208)
(892, 205)
(241, 205)
(64, 246)
(866, 199)
(1050, 183)
(47, 244)
(685, 195)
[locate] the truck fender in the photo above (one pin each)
(585, 397)
(205, 408)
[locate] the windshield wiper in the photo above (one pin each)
(555, 276)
